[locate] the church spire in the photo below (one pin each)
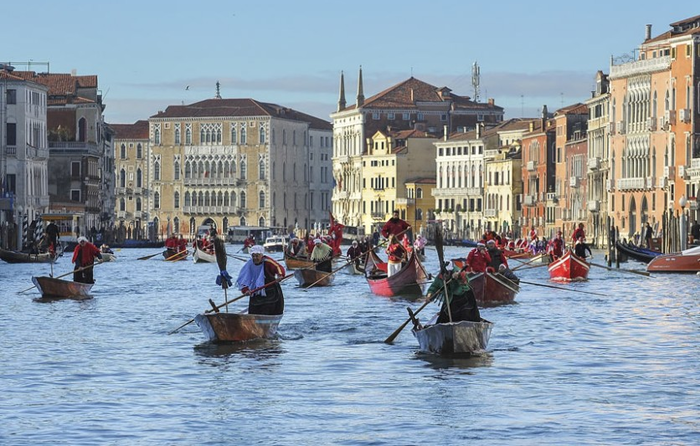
(218, 90)
(341, 100)
(360, 93)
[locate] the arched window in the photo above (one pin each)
(139, 178)
(156, 171)
(261, 221)
(226, 199)
(139, 151)
(122, 178)
(122, 151)
(176, 225)
(243, 203)
(176, 170)
(207, 201)
(176, 200)
(220, 199)
(177, 136)
(82, 130)
(244, 136)
(242, 221)
(261, 200)
(261, 168)
(234, 136)
(220, 170)
(156, 200)
(138, 204)
(188, 201)
(156, 136)
(188, 170)
(243, 170)
(188, 136)
(227, 168)
(122, 204)
(419, 192)
(233, 199)
(262, 135)
(194, 199)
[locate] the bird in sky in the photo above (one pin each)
(187, 88)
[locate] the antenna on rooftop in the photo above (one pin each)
(476, 80)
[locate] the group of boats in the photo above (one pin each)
(455, 338)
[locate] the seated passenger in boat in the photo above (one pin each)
(322, 255)
(106, 249)
(478, 259)
(294, 248)
(462, 303)
(507, 273)
(354, 253)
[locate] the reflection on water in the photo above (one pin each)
(438, 362)
(260, 349)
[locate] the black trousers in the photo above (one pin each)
(84, 276)
(463, 308)
(271, 303)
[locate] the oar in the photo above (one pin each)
(220, 251)
(523, 262)
(62, 275)
(443, 270)
(396, 332)
(562, 288)
(641, 273)
(233, 300)
(148, 257)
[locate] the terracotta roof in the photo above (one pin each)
(137, 130)
(10, 76)
(574, 109)
(211, 108)
(406, 94)
(689, 26)
(60, 84)
(421, 181)
(410, 133)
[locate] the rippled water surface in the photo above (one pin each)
(564, 366)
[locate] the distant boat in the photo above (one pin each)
(687, 261)
(238, 327)
(308, 276)
(297, 262)
(276, 243)
(201, 256)
(636, 252)
(569, 268)
(23, 257)
(173, 255)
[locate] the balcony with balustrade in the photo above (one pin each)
(626, 184)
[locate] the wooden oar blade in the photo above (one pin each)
(220, 251)
(149, 256)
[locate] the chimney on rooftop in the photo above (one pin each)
(73, 72)
(444, 132)
(491, 101)
(648, 33)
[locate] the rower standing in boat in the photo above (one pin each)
(255, 274)
(462, 302)
(478, 259)
(497, 256)
(84, 257)
(322, 256)
(395, 226)
(53, 233)
(354, 253)
(578, 233)
(556, 247)
(581, 247)
(397, 254)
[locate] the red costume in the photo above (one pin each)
(87, 253)
(394, 226)
(478, 260)
(396, 252)
(578, 232)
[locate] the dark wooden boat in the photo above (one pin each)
(61, 289)
(493, 289)
(687, 261)
(463, 338)
(238, 327)
(23, 257)
(411, 280)
(137, 244)
(297, 262)
(636, 252)
(307, 277)
(173, 255)
(569, 268)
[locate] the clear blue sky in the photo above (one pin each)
(291, 53)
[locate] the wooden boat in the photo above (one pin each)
(23, 257)
(463, 338)
(355, 268)
(173, 255)
(687, 261)
(493, 289)
(61, 289)
(569, 268)
(297, 262)
(199, 256)
(309, 276)
(238, 327)
(411, 280)
(636, 252)
(276, 243)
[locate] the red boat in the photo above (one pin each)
(411, 280)
(374, 262)
(493, 289)
(569, 268)
(687, 261)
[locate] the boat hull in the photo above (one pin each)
(308, 277)
(411, 280)
(62, 289)
(172, 255)
(635, 252)
(569, 268)
(675, 263)
(21, 257)
(463, 338)
(297, 263)
(493, 289)
(237, 327)
(108, 257)
(199, 256)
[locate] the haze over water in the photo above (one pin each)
(564, 366)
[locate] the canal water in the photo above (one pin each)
(564, 366)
